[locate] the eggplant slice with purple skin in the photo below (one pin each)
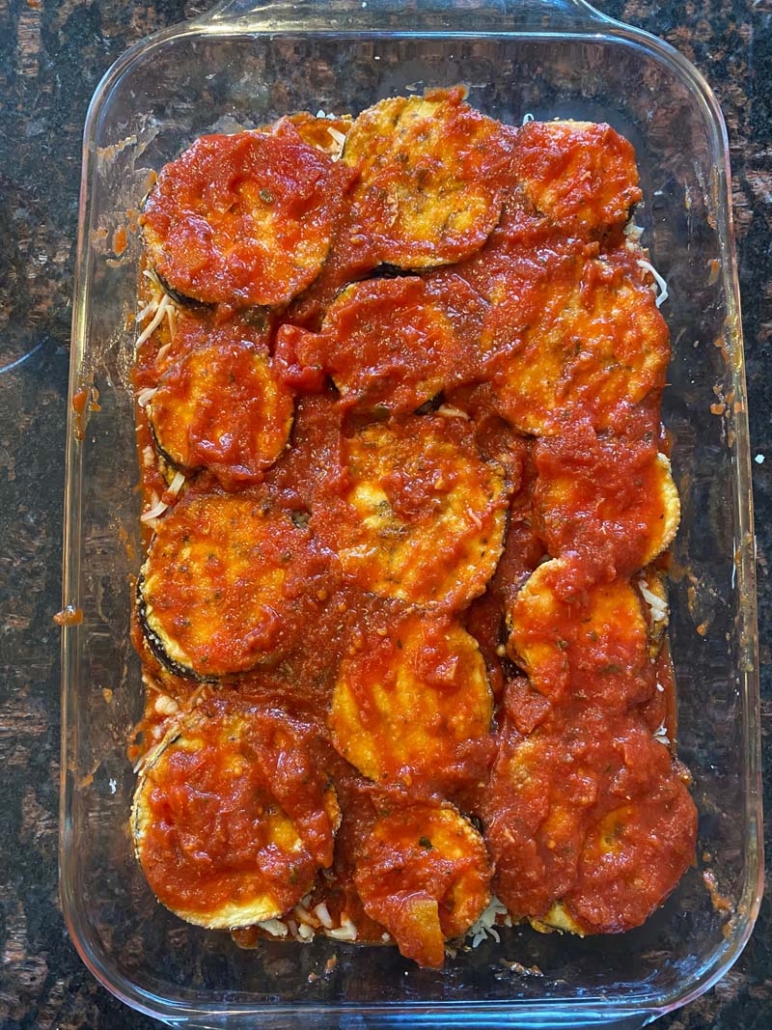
(244, 219)
(179, 298)
(430, 177)
(155, 640)
(221, 589)
(224, 408)
(223, 842)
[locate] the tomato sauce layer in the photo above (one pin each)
(233, 816)
(588, 810)
(225, 580)
(390, 345)
(243, 219)
(406, 496)
(223, 407)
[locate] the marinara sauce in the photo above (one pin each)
(405, 492)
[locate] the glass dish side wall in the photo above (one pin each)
(194, 82)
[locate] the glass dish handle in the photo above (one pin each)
(488, 15)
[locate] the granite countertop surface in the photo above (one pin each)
(52, 55)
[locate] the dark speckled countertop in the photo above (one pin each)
(52, 55)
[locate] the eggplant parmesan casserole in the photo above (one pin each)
(406, 501)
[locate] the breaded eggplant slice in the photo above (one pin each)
(636, 853)
(222, 576)
(423, 873)
(423, 518)
(223, 407)
(233, 815)
(582, 175)
(557, 918)
(588, 820)
(409, 704)
(571, 340)
(611, 497)
(243, 219)
(391, 345)
(532, 831)
(186, 331)
(432, 177)
(587, 641)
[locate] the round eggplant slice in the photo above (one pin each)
(423, 873)
(232, 815)
(559, 918)
(423, 519)
(613, 498)
(222, 584)
(408, 707)
(579, 174)
(574, 340)
(179, 298)
(588, 821)
(585, 642)
(432, 177)
(391, 345)
(533, 809)
(635, 855)
(222, 407)
(243, 219)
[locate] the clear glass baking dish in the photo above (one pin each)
(242, 65)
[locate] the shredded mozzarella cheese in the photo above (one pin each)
(163, 351)
(661, 735)
(632, 234)
(176, 484)
(345, 932)
(166, 705)
(151, 327)
(150, 308)
(657, 606)
(486, 925)
(305, 917)
(448, 411)
(659, 281)
(152, 513)
(323, 914)
(338, 139)
(159, 305)
(275, 927)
